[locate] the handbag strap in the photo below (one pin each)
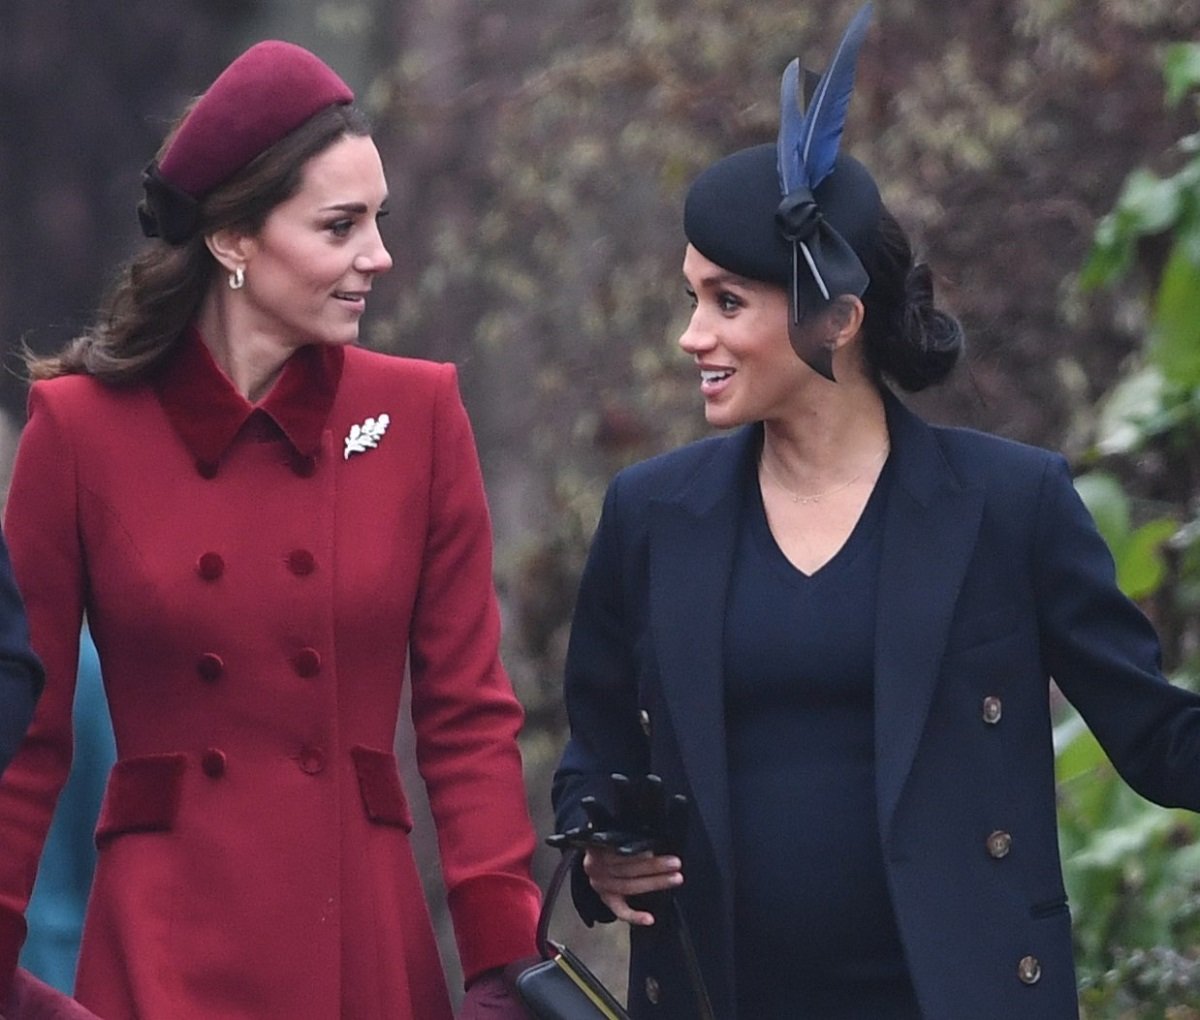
(547, 949)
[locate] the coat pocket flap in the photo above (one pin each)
(379, 782)
(142, 795)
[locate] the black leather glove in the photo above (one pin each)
(643, 818)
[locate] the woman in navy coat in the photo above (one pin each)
(834, 630)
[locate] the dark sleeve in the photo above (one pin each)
(1104, 654)
(600, 690)
(21, 675)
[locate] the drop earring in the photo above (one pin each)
(237, 279)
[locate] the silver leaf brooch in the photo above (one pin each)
(366, 436)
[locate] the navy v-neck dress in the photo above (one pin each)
(816, 934)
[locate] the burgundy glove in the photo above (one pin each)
(490, 998)
(32, 999)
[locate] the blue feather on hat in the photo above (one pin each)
(806, 154)
(809, 135)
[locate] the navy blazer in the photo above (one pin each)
(21, 675)
(993, 580)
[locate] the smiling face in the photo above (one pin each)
(738, 338)
(310, 268)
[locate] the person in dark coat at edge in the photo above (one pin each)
(21, 675)
(21, 680)
(270, 530)
(833, 631)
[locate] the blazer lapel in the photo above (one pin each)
(930, 527)
(692, 541)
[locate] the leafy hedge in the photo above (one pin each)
(1133, 869)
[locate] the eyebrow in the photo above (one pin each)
(350, 207)
(722, 279)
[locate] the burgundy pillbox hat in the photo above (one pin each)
(264, 95)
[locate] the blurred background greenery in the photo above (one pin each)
(1043, 154)
(1132, 867)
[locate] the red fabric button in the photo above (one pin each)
(307, 662)
(210, 566)
(206, 468)
(301, 562)
(312, 760)
(212, 763)
(304, 466)
(210, 666)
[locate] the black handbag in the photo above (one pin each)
(561, 987)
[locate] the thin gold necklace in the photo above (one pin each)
(816, 497)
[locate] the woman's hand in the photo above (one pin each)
(490, 998)
(616, 877)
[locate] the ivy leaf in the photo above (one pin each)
(1181, 69)
(1141, 566)
(1121, 842)
(1148, 204)
(1127, 411)
(1151, 203)
(1108, 505)
(1077, 752)
(1110, 256)
(1176, 346)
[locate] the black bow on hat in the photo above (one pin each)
(166, 211)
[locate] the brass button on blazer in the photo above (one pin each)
(999, 844)
(993, 709)
(1029, 970)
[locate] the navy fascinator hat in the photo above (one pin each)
(797, 213)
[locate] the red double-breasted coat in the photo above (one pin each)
(256, 586)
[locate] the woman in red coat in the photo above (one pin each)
(266, 527)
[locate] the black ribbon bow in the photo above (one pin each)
(166, 211)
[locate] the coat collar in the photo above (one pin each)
(208, 413)
(918, 464)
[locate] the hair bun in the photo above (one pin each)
(918, 285)
(931, 339)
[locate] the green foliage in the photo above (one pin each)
(1151, 206)
(1133, 877)
(1177, 311)
(1138, 550)
(1181, 68)
(1133, 869)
